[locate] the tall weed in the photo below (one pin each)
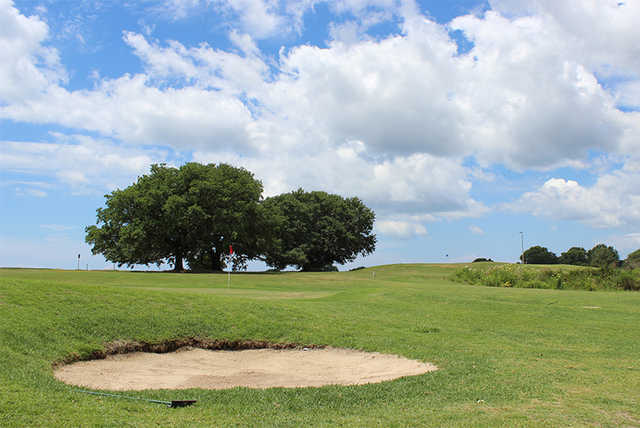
(522, 276)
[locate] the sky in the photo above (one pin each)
(470, 127)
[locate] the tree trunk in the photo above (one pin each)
(178, 266)
(216, 260)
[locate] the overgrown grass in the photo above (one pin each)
(508, 357)
(549, 277)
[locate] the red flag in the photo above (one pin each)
(230, 250)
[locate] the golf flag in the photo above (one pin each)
(230, 250)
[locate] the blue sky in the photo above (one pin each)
(460, 123)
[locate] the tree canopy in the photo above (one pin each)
(196, 212)
(574, 256)
(633, 260)
(313, 230)
(603, 256)
(175, 213)
(538, 255)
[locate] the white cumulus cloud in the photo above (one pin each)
(614, 200)
(400, 229)
(27, 65)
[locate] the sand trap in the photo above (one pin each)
(254, 368)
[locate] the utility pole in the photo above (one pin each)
(522, 247)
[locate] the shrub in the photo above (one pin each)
(627, 280)
(482, 259)
(633, 260)
(521, 276)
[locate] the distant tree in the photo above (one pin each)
(481, 259)
(175, 213)
(633, 260)
(603, 256)
(574, 256)
(539, 256)
(313, 230)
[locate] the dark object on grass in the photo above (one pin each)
(482, 259)
(173, 403)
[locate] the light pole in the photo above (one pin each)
(522, 247)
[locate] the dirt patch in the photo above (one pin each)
(274, 365)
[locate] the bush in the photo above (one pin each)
(482, 259)
(521, 276)
(633, 260)
(627, 280)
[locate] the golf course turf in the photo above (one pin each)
(506, 356)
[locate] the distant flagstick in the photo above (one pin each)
(229, 271)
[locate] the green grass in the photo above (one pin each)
(508, 357)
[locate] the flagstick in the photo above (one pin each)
(228, 279)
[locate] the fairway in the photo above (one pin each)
(506, 356)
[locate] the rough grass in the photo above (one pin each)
(508, 357)
(549, 276)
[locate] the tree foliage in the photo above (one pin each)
(574, 256)
(603, 256)
(229, 213)
(538, 255)
(633, 260)
(313, 230)
(196, 212)
(175, 213)
(482, 259)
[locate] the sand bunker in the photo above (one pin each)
(254, 368)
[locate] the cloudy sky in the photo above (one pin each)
(461, 123)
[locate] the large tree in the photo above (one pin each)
(603, 256)
(230, 214)
(574, 256)
(313, 230)
(175, 213)
(538, 255)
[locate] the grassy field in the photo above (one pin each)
(508, 357)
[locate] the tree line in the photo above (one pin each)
(214, 216)
(600, 255)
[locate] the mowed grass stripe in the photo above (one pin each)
(507, 356)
